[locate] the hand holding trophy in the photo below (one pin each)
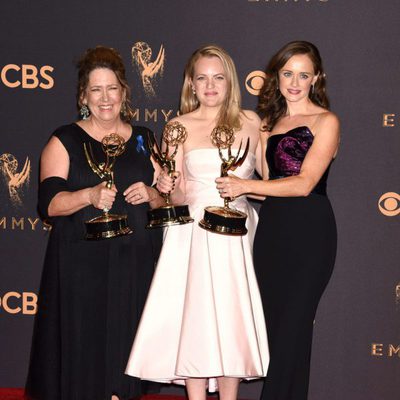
(224, 220)
(174, 134)
(107, 225)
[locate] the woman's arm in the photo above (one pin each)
(54, 162)
(317, 160)
(261, 162)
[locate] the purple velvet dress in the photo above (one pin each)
(294, 255)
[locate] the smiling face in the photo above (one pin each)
(210, 81)
(296, 78)
(103, 95)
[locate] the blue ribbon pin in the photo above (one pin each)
(140, 145)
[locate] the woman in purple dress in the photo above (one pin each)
(295, 243)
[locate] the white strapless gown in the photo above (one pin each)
(203, 316)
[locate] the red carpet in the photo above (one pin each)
(11, 394)
(17, 394)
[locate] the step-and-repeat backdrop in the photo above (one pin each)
(356, 353)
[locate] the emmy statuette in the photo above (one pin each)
(106, 225)
(224, 220)
(174, 134)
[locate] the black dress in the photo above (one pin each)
(92, 292)
(294, 255)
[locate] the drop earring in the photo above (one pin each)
(123, 111)
(84, 112)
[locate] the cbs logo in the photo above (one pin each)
(15, 303)
(255, 81)
(389, 204)
(27, 76)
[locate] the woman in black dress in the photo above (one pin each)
(295, 243)
(92, 292)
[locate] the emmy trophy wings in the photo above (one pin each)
(224, 220)
(106, 225)
(239, 160)
(113, 145)
(174, 134)
(94, 165)
(223, 137)
(155, 149)
(154, 67)
(17, 179)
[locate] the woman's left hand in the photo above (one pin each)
(138, 193)
(230, 186)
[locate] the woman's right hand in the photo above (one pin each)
(101, 197)
(167, 183)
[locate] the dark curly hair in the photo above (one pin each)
(103, 57)
(271, 104)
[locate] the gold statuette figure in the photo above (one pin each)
(174, 134)
(225, 220)
(107, 225)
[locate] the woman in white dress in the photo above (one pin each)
(203, 322)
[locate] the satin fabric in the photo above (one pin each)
(203, 317)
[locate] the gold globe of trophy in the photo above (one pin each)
(106, 226)
(174, 134)
(225, 220)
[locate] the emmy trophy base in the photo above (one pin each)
(107, 226)
(168, 215)
(224, 221)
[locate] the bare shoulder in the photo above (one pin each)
(250, 123)
(251, 116)
(327, 129)
(328, 119)
(185, 118)
(54, 147)
(54, 160)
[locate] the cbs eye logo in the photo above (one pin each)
(255, 81)
(389, 204)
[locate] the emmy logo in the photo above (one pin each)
(15, 180)
(148, 70)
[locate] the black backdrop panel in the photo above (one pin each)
(356, 352)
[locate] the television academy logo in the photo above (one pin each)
(148, 70)
(15, 180)
(389, 204)
(255, 81)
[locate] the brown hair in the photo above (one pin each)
(231, 108)
(104, 57)
(272, 105)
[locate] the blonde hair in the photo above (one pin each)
(230, 111)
